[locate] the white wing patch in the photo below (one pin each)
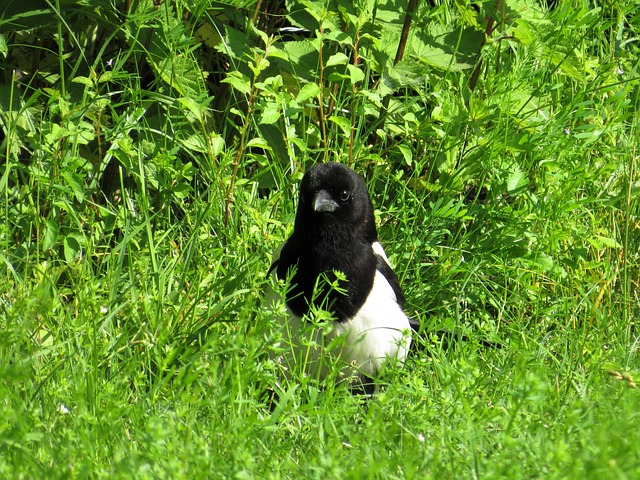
(378, 250)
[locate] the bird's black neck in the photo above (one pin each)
(319, 250)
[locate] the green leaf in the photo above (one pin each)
(405, 73)
(309, 90)
(24, 14)
(343, 123)
(57, 133)
(217, 143)
(339, 37)
(195, 143)
(76, 183)
(303, 59)
(4, 50)
(305, 14)
(257, 142)
(407, 153)
(542, 260)
(337, 77)
(599, 241)
(181, 190)
(71, 248)
(337, 59)
(356, 74)
(181, 73)
(83, 133)
(197, 109)
(516, 179)
(84, 81)
(236, 44)
(50, 234)
(271, 114)
(467, 14)
(238, 81)
(275, 52)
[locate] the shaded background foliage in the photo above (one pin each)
(109, 105)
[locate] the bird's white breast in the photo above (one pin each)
(379, 331)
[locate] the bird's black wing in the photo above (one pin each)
(273, 266)
(414, 324)
(276, 259)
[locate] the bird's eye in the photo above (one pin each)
(344, 195)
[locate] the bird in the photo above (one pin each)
(334, 263)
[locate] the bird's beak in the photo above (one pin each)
(324, 203)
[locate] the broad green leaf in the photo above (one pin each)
(195, 142)
(309, 90)
(271, 138)
(405, 73)
(517, 179)
(208, 35)
(50, 234)
(257, 142)
(338, 36)
(236, 44)
(467, 13)
(196, 108)
(343, 123)
(542, 260)
(71, 248)
(181, 73)
(57, 133)
(276, 51)
(271, 114)
(407, 153)
(274, 83)
(599, 241)
(238, 81)
(337, 77)
(21, 15)
(84, 81)
(356, 74)
(303, 60)
(108, 76)
(258, 68)
(83, 133)
(305, 14)
(76, 183)
(181, 190)
(217, 143)
(337, 59)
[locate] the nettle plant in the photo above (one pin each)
(477, 113)
(162, 91)
(345, 81)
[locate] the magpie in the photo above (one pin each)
(334, 263)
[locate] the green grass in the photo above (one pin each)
(139, 218)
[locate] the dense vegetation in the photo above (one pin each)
(151, 153)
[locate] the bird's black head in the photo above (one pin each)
(333, 193)
(334, 231)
